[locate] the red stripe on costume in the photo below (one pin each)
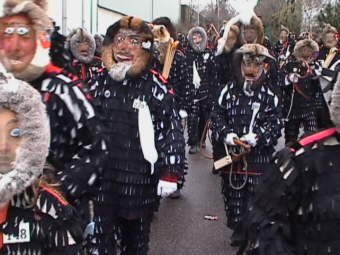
(317, 137)
(53, 69)
(54, 193)
(160, 76)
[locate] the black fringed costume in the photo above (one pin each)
(296, 208)
(178, 80)
(77, 148)
(299, 99)
(40, 221)
(232, 114)
(200, 98)
(128, 193)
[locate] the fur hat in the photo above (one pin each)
(74, 38)
(202, 46)
(143, 30)
(161, 40)
(254, 22)
(305, 49)
(25, 101)
(326, 30)
(255, 50)
(329, 29)
(36, 11)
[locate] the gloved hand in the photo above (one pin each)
(183, 114)
(166, 188)
(293, 77)
(229, 139)
(250, 138)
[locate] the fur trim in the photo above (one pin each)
(329, 29)
(255, 49)
(35, 10)
(203, 45)
(23, 99)
(305, 48)
(335, 104)
(142, 29)
(257, 24)
(162, 40)
(326, 30)
(80, 35)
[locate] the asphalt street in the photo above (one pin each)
(179, 228)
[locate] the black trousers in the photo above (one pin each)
(134, 235)
(197, 118)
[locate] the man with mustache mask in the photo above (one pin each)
(246, 109)
(87, 66)
(34, 216)
(145, 140)
(75, 135)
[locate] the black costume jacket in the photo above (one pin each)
(41, 222)
(233, 113)
(77, 148)
(206, 68)
(127, 182)
(301, 98)
(178, 80)
(296, 207)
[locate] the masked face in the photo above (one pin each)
(197, 38)
(283, 36)
(18, 42)
(127, 46)
(249, 34)
(10, 139)
(252, 67)
(330, 40)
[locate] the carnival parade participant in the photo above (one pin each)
(247, 109)
(295, 209)
(145, 139)
(77, 148)
(34, 216)
(202, 79)
(299, 81)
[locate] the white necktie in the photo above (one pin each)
(147, 134)
(196, 77)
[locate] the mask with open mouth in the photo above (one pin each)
(82, 45)
(127, 48)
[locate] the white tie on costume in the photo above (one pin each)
(146, 133)
(196, 77)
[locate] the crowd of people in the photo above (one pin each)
(92, 132)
